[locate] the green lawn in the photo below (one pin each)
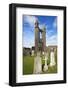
(28, 64)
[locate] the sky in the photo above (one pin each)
(28, 28)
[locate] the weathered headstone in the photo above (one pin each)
(45, 66)
(43, 53)
(37, 64)
(52, 59)
(32, 53)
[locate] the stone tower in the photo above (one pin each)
(40, 43)
(43, 39)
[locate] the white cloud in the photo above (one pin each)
(49, 32)
(31, 20)
(28, 42)
(43, 25)
(51, 40)
(32, 44)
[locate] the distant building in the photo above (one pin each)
(26, 51)
(52, 48)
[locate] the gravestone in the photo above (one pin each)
(43, 53)
(45, 66)
(32, 53)
(37, 64)
(52, 58)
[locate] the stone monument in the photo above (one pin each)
(37, 64)
(40, 44)
(40, 50)
(45, 66)
(52, 58)
(32, 53)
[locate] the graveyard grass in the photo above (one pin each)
(28, 64)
